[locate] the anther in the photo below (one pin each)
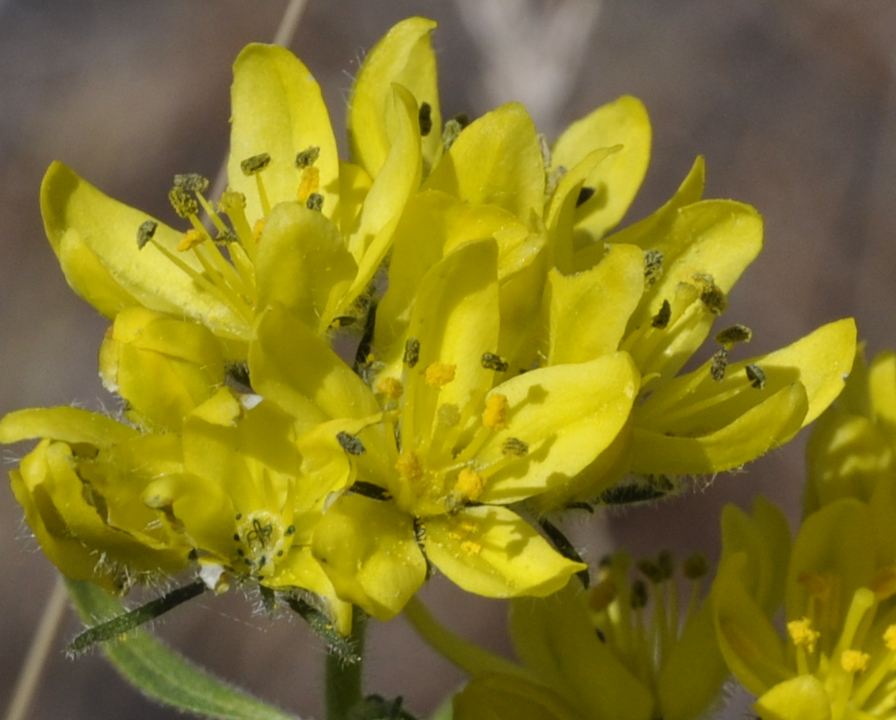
(308, 156)
(290, 531)
(711, 294)
(585, 194)
(653, 266)
(183, 204)
(439, 374)
(225, 237)
(191, 182)
(255, 164)
(315, 201)
(425, 118)
(695, 567)
(802, 634)
(755, 375)
(495, 414)
(411, 352)
(639, 595)
(350, 443)
(733, 335)
(718, 365)
(453, 129)
(854, 661)
(514, 446)
(145, 232)
(390, 387)
(491, 361)
(666, 563)
(651, 570)
(661, 319)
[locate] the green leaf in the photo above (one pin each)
(162, 674)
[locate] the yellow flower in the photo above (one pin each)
(837, 658)
(451, 450)
(609, 653)
(295, 227)
(853, 445)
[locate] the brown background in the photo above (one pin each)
(790, 102)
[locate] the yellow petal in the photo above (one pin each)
(295, 368)
(68, 424)
(588, 312)
(369, 552)
(556, 640)
(95, 238)
(491, 551)
(567, 415)
(278, 109)
(496, 160)
(303, 265)
(800, 698)
(617, 179)
(404, 56)
(398, 179)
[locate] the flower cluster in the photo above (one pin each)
(514, 353)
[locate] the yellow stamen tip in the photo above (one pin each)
(890, 637)
(469, 484)
(470, 547)
(495, 414)
(191, 239)
(439, 374)
(802, 634)
(854, 661)
(390, 387)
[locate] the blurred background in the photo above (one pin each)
(790, 103)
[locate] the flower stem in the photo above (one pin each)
(343, 680)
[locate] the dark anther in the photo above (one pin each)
(734, 334)
(490, 361)
(639, 594)
(308, 156)
(350, 443)
(425, 117)
(145, 232)
(255, 164)
(369, 490)
(315, 201)
(718, 365)
(182, 203)
(695, 567)
(653, 266)
(514, 446)
(650, 570)
(756, 376)
(411, 352)
(291, 530)
(585, 194)
(661, 319)
(191, 182)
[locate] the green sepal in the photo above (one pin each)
(163, 675)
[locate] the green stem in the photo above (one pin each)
(343, 680)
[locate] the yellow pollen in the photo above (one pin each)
(469, 484)
(310, 183)
(439, 374)
(191, 239)
(470, 547)
(802, 634)
(495, 414)
(258, 229)
(854, 661)
(883, 584)
(390, 387)
(890, 637)
(409, 467)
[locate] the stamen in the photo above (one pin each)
(439, 374)
(755, 375)
(145, 232)
(470, 484)
(733, 335)
(495, 414)
(515, 447)
(390, 387)
(424, 116)
(854, 661)
(711, 294)
(653, 266)
(491, 361)
(411, 352)
(695, 567)
(650, 570)
(308, 156)
(253, 166)
(802, 635)
(718, 365)
(191, 182)
(661, 319)
(639, 595)
(309, 184)
(453, 128)
(192, 238)
(350, 443)
(183, 204)
(315, 202)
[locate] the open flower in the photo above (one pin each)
(452, 447)
(836, 660)
(295, 226)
